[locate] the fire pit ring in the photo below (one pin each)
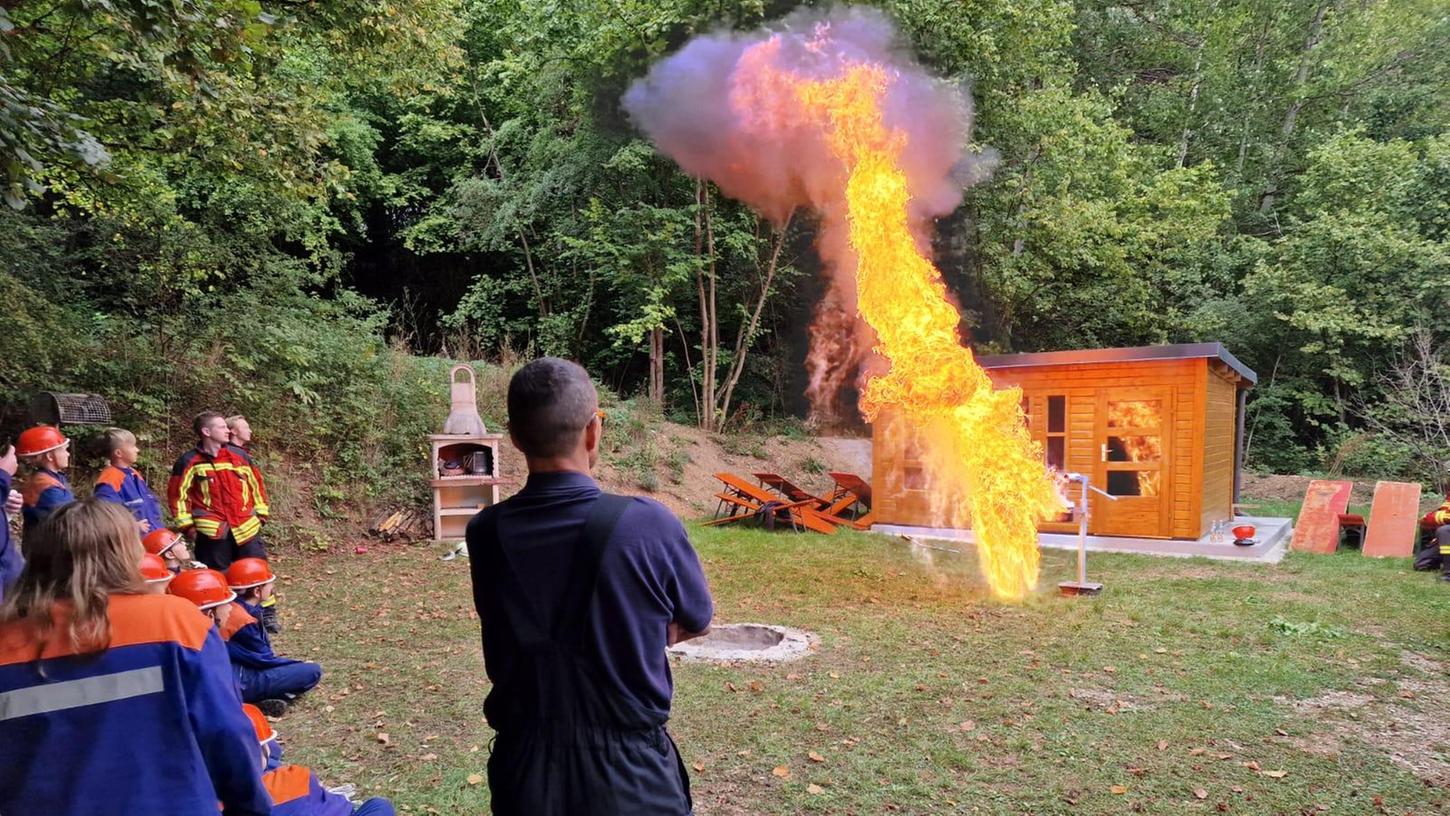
(748, 643)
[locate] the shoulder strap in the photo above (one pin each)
(522, 606)
(594, 541)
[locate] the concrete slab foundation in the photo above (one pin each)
(1272, 536)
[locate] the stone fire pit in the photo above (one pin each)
(748, 642)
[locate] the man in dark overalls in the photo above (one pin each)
(579, 592)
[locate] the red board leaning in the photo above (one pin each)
(1317, 530)
(1393, 520)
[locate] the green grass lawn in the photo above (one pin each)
(1188, 686)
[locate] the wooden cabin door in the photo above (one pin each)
(1134, 428)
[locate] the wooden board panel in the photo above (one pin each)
(1393, 520)
(1317, 530)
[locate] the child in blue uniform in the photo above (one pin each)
(47, 452)
(120, 483)
(262, 673)
(93, 675)
(295, 790)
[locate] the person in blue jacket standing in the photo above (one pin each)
(120, 483)
(114, 702)
(10, 504)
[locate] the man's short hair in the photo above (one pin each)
(233, 420)
(550, 402)
(202, 420)
(114, 438)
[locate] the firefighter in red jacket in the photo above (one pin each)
(1436, 528)
(216, 496)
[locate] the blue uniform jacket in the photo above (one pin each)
(44, 491)
(125, 486)
(153, 724)
(247, 642)
(296, 792)
(11, 561)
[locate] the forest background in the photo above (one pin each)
(302, 211)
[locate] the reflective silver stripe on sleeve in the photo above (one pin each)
(106, 688)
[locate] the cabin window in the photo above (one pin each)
(1134, 482)
(1054, 443)
(1057, 414)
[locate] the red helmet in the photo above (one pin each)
(154, 570)
(245, 573)
(157, 542)
(38, 440)
(204, 587)
(260, 726)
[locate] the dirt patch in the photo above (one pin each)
(1105, 700)
(1423, 663)
(689, 458)
(1408, 728)
(1281, 487)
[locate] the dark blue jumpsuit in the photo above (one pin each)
(571, 611)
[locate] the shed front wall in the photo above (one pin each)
(1184, 385)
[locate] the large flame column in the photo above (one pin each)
(976, 448)
(799, 117)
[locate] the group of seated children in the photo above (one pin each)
(263, 677)
(263, 680)
(98, 659)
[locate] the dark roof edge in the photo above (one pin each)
(1178, 351)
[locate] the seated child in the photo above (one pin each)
(120, 483)
(262, 674)
(208, 589)
(295, 790)
(155, 574)
(170, 546)
(46, 450)
(271, 745)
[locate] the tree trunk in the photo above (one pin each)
(705, 291)
(1192, 106)
(657, 365)
(1291, 116)
(747, 331)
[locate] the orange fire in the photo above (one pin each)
(981, 464)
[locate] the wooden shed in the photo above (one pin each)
(1160, 427)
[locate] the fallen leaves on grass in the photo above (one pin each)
(383, 738)
(781, 771)
(1119, 790)
(698, 766)
(816, 757)
(1275, 774)
(1200, 793)
(474, 779)
(814, 788)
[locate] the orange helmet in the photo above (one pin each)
(263, 729)
(154, 570)
(245, 573)
(157, 542)
(204, 587)
(38, 440)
